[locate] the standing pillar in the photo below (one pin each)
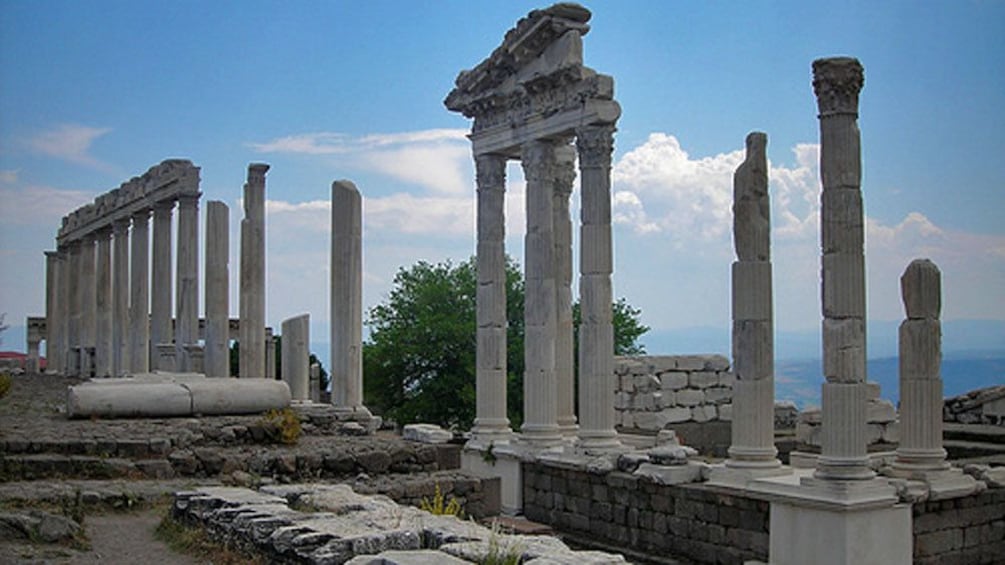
(103, 305)
(53, 347)
(296, 356)
(187, 297)
(565, 176)
(837, 83)
(88, 305)
(161, 327)
(596, 332)
(920, 447)
(71, 291)
(252, 338)
(540, 388)
(139, 295)
(347, 297)
(120, 298)
(753, 433)
(217, 356)
(491, 423)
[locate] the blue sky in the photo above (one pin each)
(92, 93)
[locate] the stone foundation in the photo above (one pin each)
(960, 530)
(656, 392)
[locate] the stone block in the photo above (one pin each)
(426, 433)
(643, 401)
(666, 399)
(844, 350)
(647, 383)
(718, 395)
(491, 348)
(670, 475)
(872, 390)
(880, 411)
(692, 362)
(727, 379)
(658, 364)
(841, 226)
(690, 397)
(751, 290)
(920, 345)
(753, 349)
(128, 399)
(704, 413)
(726, 412)
(702, 379)
(674, 380)
(921, 289)
(237, 396)
(622, 400)
(843, 285)
(626, 383)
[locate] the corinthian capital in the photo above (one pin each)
(836, 83)
(595, 145)
(490, 171)
(538, 159)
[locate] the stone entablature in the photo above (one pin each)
(656, 392)
(167, 181)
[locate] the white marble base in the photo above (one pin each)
(501, 461)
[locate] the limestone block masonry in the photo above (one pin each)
(656, 392)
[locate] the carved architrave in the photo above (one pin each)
(837, 82)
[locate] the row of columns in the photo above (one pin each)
(549, 386)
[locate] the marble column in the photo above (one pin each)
(103, 305)
(347, 296)
(120, 298)
(187, 292)
(491, 423)
(540, 388)
(88, 304)
(296, 356)
(53, 323)
(596, 332)
(139, 295)
(252, 273)
(753, 437)
(161, 326)
(837, 83)
(70, 289)
(920, 448)
(565, 176)
(217, 356)
(270, 354)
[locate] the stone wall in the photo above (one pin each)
(981, 406)
(655, 392)
(882, 427)
(961, 530)
(701, 523)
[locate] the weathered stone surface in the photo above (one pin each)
(252, 275)
(921, 290)
(426, 433)
(346, 295)
(751, 209)
(296, 356)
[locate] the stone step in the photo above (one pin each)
(958, 449)
(973, 432)
(49, 466)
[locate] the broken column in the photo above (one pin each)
(252, 307)
(120, 297)
(565, 378)
(217, 352)
(187, 297)
(103, 305)
(596, 332)
(753, 438)
(540, 424)
(347, 297)
(296, 356)
(160, 279)
(53, 322)
(491, 423)
(139, 294)
(837, 83)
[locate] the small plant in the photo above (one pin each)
(286, 422)
(500, 553)
(5, 383)
(440, 506)
(489, 455)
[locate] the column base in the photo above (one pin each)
(911, 461)
(540, 436)
(831, 468)
(598, 442)
(568, 427)
(738, 477)
(743, 457)
(489, 433)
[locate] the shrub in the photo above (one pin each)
(440, 506)
(286, 423)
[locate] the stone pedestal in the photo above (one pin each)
(217, 348)
(491, 423)
(252, 306)
(187, 292)
(296, 356)
(139, 295)
(103, 343)
(596, 333)
(120, 298)
(160, 279)
(837, 82)
(347, 297)
(498, 460)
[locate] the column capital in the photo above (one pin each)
(256, 172)
(120, 226)
(595, 145)
(104, 232)
(53, 254)
(565, 170)
(490, 171)
(141, 215)
(162, 206)
(189, 200)
(837, 82)
(538, 160)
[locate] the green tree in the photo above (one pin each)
(419, 361)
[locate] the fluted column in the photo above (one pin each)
(837, 83)
(53, 323)
(295, 356)
(120, 298)
(252, 306)
(88, 304)
(217, 354)
(596, 332)
(347, 297)
(920, 371)
(565, 171)
(753, 439)
(540, 388)
(160, 281)
(72, 292)
(491, 423)
(103, 305)
(187, 297)
(139, 295)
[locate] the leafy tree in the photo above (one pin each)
(419, 361)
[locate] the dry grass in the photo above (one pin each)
(195, 542)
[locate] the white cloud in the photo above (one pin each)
(321, 143)
(32, 205)
(72, 143)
